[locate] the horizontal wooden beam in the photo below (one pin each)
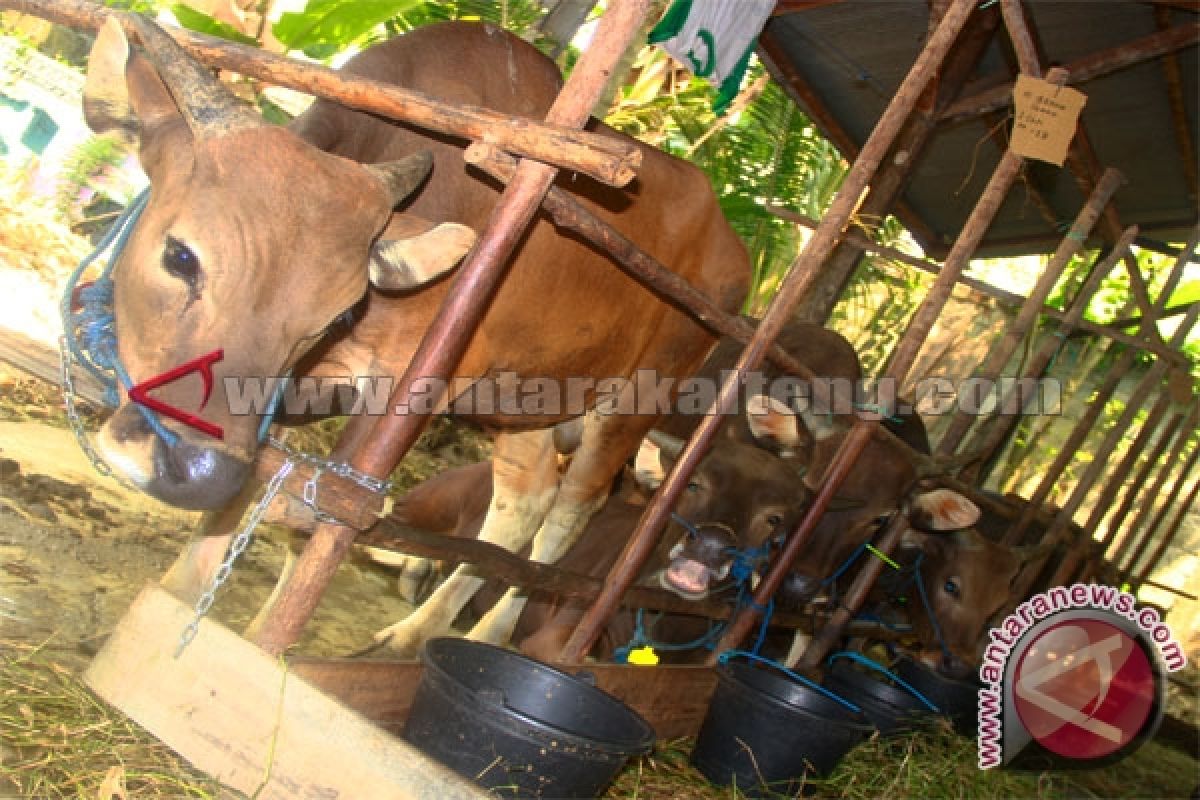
(673, 699)
(610, 160)
(1081, 70)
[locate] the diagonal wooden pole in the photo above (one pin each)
(452, 329)
(802, 272)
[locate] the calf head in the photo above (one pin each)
(252, 242)
(967, 579)
(739, 504)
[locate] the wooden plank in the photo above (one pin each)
(41, 361)
(236, 713)
(673, 699)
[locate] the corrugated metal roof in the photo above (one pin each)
(851, 56)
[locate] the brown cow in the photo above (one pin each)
(257, 237)
(739, 497)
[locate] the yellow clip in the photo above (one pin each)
(643, 657)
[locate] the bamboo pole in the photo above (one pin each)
(1023, 584)
(989, 438)
(803, 271)
(1149, 519)
(611, 161)
(1143, 577)
(1002, 351)
(451, 331)
(900, 365)
(1179, 425)
(1110, 331)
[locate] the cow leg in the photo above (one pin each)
(193, 570)
(525, 478)
(608, 440)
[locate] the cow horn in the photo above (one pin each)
(209, 108)
(671, 445)
(401, 178)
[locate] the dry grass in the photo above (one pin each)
(58, 740)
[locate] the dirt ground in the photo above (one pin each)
(75, 546)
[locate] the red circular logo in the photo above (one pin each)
(1084, 689)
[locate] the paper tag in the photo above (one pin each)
(1046, 116)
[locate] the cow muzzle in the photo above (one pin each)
(187, 475)
(698, 561)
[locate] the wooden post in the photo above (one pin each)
(902, 360)
(1147, 533)
(1078, 554)
(1179, 425)
(606, 159)
(1172, 530)
(644, 538)
(989, 439)
(855, 596)
(451, 331)
(1002, 351)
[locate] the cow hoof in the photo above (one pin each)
(399, 641)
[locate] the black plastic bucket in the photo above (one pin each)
(766, 732)
(957, 699)
(893, 708)
(517, 726)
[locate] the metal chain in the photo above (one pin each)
(236, 548)
(339, 468)
(73, 418)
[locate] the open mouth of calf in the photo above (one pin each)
(691, 579)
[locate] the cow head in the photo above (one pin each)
(967, 579)
(740, 498)
(252, 242)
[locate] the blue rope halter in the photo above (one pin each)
(744, 564)
(90, 332)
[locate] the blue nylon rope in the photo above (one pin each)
(91, 333)
(875, 665)
(728, 655)
(95, 323)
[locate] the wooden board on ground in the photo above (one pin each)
(242, 717)
(40, 361)
(673, 699)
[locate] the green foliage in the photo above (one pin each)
(326, 27)
(200, 22)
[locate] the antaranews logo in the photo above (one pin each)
(1073, 678)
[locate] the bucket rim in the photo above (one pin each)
(847, 718)
(638, 743)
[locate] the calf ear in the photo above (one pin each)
(409, 263)
(123, 95)
(942, 510)
(772, 420)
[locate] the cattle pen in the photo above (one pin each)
(223, 728)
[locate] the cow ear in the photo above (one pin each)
(123, 94)
(771, 420)
(412, 262)
(942, 510)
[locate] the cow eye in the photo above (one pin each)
(775, 520)
(950, 587)
(693, 486)
(179, 260)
